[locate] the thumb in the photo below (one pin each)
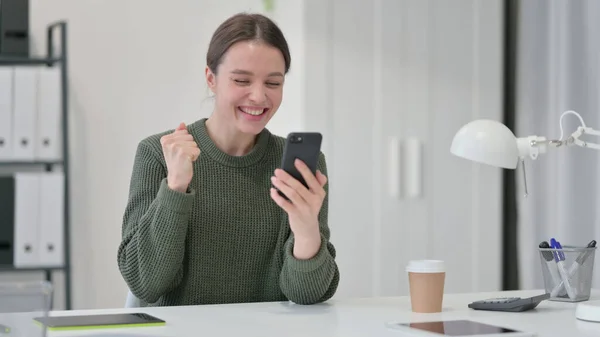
(181, 127)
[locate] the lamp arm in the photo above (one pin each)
(574, 139)
(532, 146)
(541, 143)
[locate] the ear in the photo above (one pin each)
(211, 80)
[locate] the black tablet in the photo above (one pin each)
(78, 322)
(459, 328)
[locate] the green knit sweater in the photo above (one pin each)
(224, 240)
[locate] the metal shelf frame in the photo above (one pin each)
(52, 58)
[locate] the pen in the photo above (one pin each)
(551, 268)
(578, 262)
(584, 255)
(560, 261)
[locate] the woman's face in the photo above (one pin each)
(248, 85)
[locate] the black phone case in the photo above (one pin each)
(305, 146)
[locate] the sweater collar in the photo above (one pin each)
(208, 147)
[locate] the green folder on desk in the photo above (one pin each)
(104, 321)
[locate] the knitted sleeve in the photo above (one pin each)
(314, 280)
(155, 223)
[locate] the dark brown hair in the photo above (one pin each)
(245, 27)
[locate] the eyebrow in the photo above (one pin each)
(246, 72)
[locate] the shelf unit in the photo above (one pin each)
(52, 58)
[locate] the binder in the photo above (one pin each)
(14, 28)
(27, 211)
(51, 219)
(48, 143)
(7, 220)
(25, 112)
(6, 113)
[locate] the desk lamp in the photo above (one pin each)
(492, 143)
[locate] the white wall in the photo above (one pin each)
(129, 70)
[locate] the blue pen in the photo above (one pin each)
(560, 261)
(549, 257)
(554, 245)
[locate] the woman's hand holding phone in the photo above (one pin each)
(302, 208)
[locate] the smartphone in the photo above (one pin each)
(305, 146)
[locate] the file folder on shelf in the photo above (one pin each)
(7, 220)
(51, 222)
(27, 211)
(48, 143)
(38, 219)
(24, 112)
(6, 113)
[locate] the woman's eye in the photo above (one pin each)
(246, 82)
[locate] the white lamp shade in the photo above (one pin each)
(488, 142)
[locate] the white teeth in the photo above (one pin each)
(253, 112)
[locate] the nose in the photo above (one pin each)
(258, 93)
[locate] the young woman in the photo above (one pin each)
(203, 223)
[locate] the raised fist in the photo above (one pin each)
(180, 151)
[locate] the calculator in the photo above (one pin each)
(511, 304)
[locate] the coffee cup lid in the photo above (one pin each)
(425, 266)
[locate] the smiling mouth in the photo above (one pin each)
(253, 110)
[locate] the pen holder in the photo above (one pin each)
(20, 303)
(568, 272)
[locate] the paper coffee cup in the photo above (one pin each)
(426, 280)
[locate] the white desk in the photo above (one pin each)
(355, 317)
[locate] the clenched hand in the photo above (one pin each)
(180, 151)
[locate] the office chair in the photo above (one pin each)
(132, 301)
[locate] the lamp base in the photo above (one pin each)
(588, 311)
